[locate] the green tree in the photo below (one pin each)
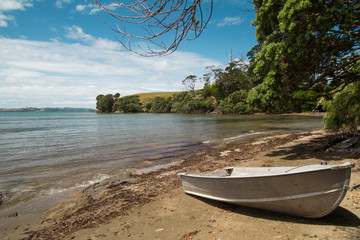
(187, 103)
(128, 104)
(235, 103)
(105, 103)
(116, 96)
(233, 78)
(305, 46)
(206, 91)
(160, 105)
(343, 112)
(190, 83)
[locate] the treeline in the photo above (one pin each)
(232, 90)
(183, 102)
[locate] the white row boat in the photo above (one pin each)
(310, 191)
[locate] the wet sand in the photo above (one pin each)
(154, 206)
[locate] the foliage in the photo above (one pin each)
(159, 105)
(190, 83)
(182, 102)
(305, 100)
(116, 96)
(263, 98)
(206, 91)
(128, 104)
(233, 78)
(105, 103)
(343, 112)
(196, 105)
(304, 46)
(235, 103)
(179, 101)
(187, 103)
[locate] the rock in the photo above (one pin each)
(346, 144)
(1, 198)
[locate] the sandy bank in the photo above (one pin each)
(153, 205)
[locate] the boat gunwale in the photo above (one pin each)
(347, 165)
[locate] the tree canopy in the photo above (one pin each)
(343, 112)
(105, 103)
(306, 46)
(307, 51)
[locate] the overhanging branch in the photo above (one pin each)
(164, 24)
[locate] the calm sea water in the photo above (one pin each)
(48, 152)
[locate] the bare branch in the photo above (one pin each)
(164, 24)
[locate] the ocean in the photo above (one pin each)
(42, 153)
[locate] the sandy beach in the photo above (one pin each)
(154, 206)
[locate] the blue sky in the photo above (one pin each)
(58, 53)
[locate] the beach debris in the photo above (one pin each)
(225, 153)
(14, 215)
(159, 230)
(355, 187)
(351, 145)
(1, 198)
(101, 189)
(189, 235)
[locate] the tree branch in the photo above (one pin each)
(158, 19)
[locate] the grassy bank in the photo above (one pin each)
(146, 97)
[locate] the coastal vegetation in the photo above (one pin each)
(307, 59)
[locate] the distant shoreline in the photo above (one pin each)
(31, 109)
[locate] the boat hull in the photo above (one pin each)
(310, 194)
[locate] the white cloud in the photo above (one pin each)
(54, 73)
(92, 9)
(88, 9)
(76, 33)
(80, 8)
(11, 5)
(4, 19)
(60, 3)
(230, 21)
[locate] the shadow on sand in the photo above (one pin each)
(339, 217)
(315, 148)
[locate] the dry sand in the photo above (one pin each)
(154, 206)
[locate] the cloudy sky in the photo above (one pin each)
(60, 54)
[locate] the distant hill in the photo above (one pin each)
(31, 109)
(146, 97)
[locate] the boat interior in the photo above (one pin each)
(266, 171)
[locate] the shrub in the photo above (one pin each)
(128, 104)
(343, 112)
(160, 105)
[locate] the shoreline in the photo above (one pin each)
(108, 202)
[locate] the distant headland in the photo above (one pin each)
(31, 109)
